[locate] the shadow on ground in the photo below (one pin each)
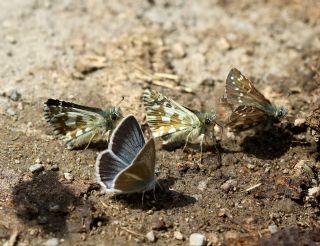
(46, 203)
(268, 145)
(161, 198)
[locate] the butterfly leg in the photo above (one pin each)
(201, 143)
(90, 140)
(187, 140)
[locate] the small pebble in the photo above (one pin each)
(178, 50)
(68, 176)
(36, 168)
(231, 235)
(151, 237)
(251, 166)
(54, 167)
(11, 112)
(273, 228)
(223, 44)
(228, 185)
(52, 242)
(202, 185)
(159, 225)
(213, 238)
(14, 95)
(299, 122)
(178, 235)
(197, 239)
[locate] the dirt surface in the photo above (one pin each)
(90, 52)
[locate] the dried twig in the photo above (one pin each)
(132, 232)
(253, 187)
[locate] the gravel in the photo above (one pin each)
(52, 242)
(151, 237)
(36, 168)
(197, 239)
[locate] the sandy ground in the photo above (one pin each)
(91, 52)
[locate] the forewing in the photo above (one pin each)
(245, 117)
(127, 139)
(240, 91)
(75, 122)
(140, 175)
(166, 116)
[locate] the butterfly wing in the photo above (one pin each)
(166, 117)
(140, 175)
(240, 91)
(128, 164)
(245, 117)
(77, 123)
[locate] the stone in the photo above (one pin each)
(151, 237)
(68, 176)
(273, 228)
(178, 235)
(52, 242)
(197, 239)
(36, 168)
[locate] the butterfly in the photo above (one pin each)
(80, 125)
(173, 122)
(128, 165)
(251, 108)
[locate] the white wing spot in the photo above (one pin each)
(79, 133)
(241, 94)
(165, 118)
(231, 77)
(240, 77)
(237, 89)
(172, 130)
(240, 101)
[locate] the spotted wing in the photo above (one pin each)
(166, 117)
(75, 122)
(240, 91)
(246, 117)
(128, 163)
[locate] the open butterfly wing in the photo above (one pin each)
(240, 91)
(246, 117)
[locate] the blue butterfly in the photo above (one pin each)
(128, 165)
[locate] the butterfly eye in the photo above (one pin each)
(113, 116)
(207, 121)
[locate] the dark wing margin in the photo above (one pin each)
(140, 175)
(107, 167)
(127, 139)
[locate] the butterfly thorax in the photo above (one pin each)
(277, 112)
(111, 116)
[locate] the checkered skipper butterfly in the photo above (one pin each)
(174, 123)
(80, 125)
(250, 107)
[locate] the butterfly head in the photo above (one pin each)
(209, 118)
(280, 112)
(115, 113)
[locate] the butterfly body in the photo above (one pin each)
(80, 125)
(250, 107)
(128, 165)
(173, 122)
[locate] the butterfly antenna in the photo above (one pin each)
(122, 99)
(201, 143)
